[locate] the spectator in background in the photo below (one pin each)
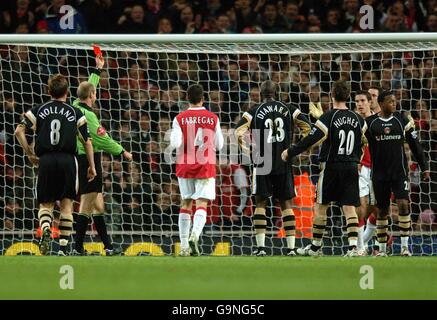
(19, 17)
(165, 26)
(223, 24)
(187, 22)
(294, 22)
(351, 12)
(152, 14)
(242, 14)
(101, 14)
(431, 23)
(133, 21)
(270, 21)
(333, 23)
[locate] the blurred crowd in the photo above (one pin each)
(216, 16)
(141, 92)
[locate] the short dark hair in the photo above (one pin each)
(341, 91)
(58, 86)
(195, 93)
(376, 88)
(268, 89)
(365, 93)
(383, 95)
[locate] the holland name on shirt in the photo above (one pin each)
(54, 110)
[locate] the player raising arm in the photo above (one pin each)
(91, 197)
(341, 130)
(388, 131)
(272, 122)
(196, 135)
(56, 125)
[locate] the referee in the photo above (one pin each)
(91, 197)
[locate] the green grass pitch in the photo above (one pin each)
(35, 277)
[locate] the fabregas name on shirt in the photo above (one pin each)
(197, 120)
(54, 110)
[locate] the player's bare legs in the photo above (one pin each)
(404, 225)
(352, 229)
(260, 223)
(184, 223)
(199, 221)
(45, 216)
(66, 225)
(319, 226)
(289, 224)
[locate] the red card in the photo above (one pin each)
(97, 50)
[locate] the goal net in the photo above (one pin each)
(143, 87)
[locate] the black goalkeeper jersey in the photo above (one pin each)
(56, 125)
(386, 138)
(341, 131)
(271, 124)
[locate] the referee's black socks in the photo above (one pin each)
(100, 224)
(81, 227)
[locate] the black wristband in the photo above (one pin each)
(97, 71)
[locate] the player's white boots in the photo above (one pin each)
(259, 252)
(352, 253)
(405, 252)
(185, 252)
(308, 252)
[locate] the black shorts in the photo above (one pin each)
(280, 186)
(95, 185)
(57, 177)
(383, 189)
(338, 182)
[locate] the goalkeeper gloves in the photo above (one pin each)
(316, 110)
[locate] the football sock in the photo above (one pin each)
(360, 243)
(352, 230)
(65, 229)
(260, 223)
(99, 222)
(319, 226)
(81, 227)
(45, 217)
(289, 223)
(370, 230)
(404, 225)
(184, 227)
(199, 221)
(381, 232)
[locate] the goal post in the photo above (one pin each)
(142, 88)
